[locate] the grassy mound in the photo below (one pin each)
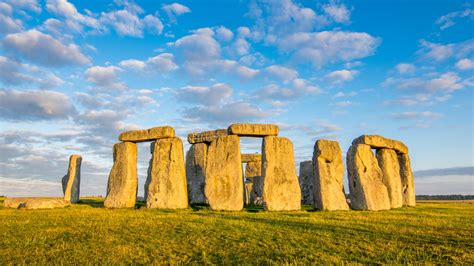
(88, 233)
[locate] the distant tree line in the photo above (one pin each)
(444, 197)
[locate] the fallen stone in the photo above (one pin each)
(281, 191)
(224, 188)
(379, 142)
(147, 134)
(35, 203)
(166, 185)
(206, 136)
(14, 202)
(251, 157)
(388, 162)
(195, 172)
(408, 183)
(306, 180)
(71, 182)
(367, 190)
(329, 173)
(123, 181)
(253, 130)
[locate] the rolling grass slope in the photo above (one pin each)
(88, 233)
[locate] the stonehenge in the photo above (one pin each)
(378, 169)
(71, 182)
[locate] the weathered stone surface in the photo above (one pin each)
(206, 136)
(388, 163)
(251, 157)
(253, 130)
(196, 159)
(253, 172)
(72, 180)
(166, 185)
(367, 191)
(379, 142)
(147, 134)
(248, 190)
(224, 188)
(281, 191)
(306, 180)
(408, 183)
(123, 182)
(329, 173)
(35, 203)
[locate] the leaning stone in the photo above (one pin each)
(248, 190)
(329, 173)
(14, 202)
(166, 185)
(379, 142)
(253, 130)
(224, 188)
(123, 182)
(39, 203)
(72, 180)
(306, 180)
(251, 157)
(367, 191)
(388, 162)
(195, 172)
(408, 183)
(206, 136)
(147, 134)
(253, 172)
(281, 191)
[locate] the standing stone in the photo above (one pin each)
(367, 191)
(388, 162)
(329, 172)
(306, 180)
(281, 191)
(167, 180)
(248, 190)
(195, 172)
(408, 183)
(253, 172)
(72, 180)
(224, 188)
(123, 181)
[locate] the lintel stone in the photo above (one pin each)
(253, 130)
(147, 134)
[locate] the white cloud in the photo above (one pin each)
(403, 68)
(8, 24)
(341, 76)
(448, 20)
(32, 5)
(446, 82)
(341, 94)
(279, 96)
(175, 9)
(283, 73)
(44, 49)
(199, 46)
(74, 20)
(241, 47)
(338, 13)
(105, 77)
(225, 114)
(153, 24)
(319, 48)
(163, 62)
(465, 64)
(418, 99)
(214, 95)
(124, 22)
(416, 115)
(133, 64)
(440, 52)
(224, 34)
(34, 105)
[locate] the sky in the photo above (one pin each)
(74, 74)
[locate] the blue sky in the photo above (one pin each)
(74, 74)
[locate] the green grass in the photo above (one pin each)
(88, 233)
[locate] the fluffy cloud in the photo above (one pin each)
(8, 24)
(105, 77)
(175, 9)
(225, 114)
(403, 68)
(74, 20)
(214, 95)
(34, 105)
(465, 64)
(278, 96)
(198, 46)
(319, 48)
(284, 73)
(224, 34)
(338, 13)
(32, 5)
(440, 52)
(448, 20)
(418, 99)
(162, 62)
(446, 82)
(44, 49)
(416, 115)
(340, 76)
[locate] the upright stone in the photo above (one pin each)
(408, 183)
(224, 188)
(166, 184)
(253, 172)
(367, 191)
(329, 173)
(71, 182)
(388, 162)
(253, 130)
(248, 189)
(281, 191)
(123, 182)
(195, 172)
(306, 180)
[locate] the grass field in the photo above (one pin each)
(86, 233)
